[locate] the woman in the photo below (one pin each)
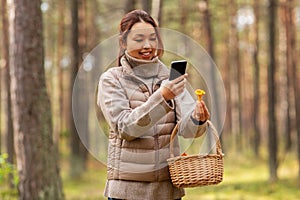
(142, 107)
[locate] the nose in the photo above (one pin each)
(147, 45)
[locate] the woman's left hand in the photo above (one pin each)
(201, 112)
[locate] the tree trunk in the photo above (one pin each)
(208, 34)
(295, 71)
(93, 33)
(129, 5)
(58, 76)
(36, 154)
(183, 15)
(236, 77)
(8, 111)
(272, 147)
(146, 5)
(83, 100)
(0, 113)
(256, 80)
(78, 151)
(157, 11)
(239, 90)
(227, 83)
(227, 130)
(283, 68)
(75, 168)
(290, 45)
(1, 105)
(3, 13)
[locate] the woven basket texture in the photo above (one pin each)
(196, 170)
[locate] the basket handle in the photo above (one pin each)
(174, 132)
(209, 125)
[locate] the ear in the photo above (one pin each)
(122, 42)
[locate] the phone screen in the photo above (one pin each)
(177, 69)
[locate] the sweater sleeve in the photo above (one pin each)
(127, 122)
(185, 105)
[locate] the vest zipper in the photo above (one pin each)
(156, 149)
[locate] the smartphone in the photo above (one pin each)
(177, 69)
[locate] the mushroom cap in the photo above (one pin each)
(199, 92)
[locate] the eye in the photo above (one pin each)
(138, 40)
(153, 38)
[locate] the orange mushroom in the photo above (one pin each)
(199, 94)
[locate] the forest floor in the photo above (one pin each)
(245, 178)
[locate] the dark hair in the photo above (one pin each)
(126, 24)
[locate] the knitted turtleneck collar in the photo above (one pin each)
(142, 68)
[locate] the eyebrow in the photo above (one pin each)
(142, 35)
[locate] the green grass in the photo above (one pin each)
(89, 186)
(245, 178)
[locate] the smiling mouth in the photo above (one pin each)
(148, 53)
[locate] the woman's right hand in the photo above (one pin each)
(170, 89)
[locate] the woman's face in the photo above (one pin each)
(142, 41)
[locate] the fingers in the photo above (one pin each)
(206, 112)
(180, 78)
(170, 89)
(179, 87)
(201, 112)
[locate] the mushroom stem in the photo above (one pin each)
(199, 94)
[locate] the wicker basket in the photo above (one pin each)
(196, 170)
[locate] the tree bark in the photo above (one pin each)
(208, 33)
(8, 111)
(157, 11)
(289, 61)
(3, 13)
(36, 154)
(78, 151)
(256, 72)
(227, 81)
(58, 76)
(1, 100)
(183, 15)
(146, 5)
(236, 97)
(83, 100)
(272, 146)
(75, 169)
(129, 5)
(295, 71)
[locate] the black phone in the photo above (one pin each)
(178, 68)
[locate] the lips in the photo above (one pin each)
(146, 54)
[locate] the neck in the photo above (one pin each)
(142, 68)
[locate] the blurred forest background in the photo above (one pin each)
(255, 45)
